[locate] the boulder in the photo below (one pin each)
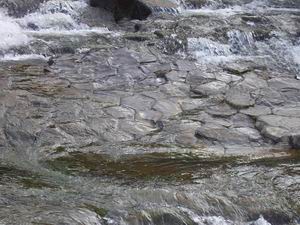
(132, 9)
(280, 129)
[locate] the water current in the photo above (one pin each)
(161, 188)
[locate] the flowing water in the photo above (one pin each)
(155, 187)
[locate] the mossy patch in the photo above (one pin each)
(164, 166)
(99, 211)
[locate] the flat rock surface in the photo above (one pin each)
(143, 81)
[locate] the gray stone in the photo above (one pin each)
(257, 110)
(211, 88)
(185, 65)
(221, 110)
(3, 141)
(119, 112)
(288, 110)
(268, 97)
(186, 139)
(277, 134)
(167, 107)
(193, 104)
(121, 57)
(242, 120)
(295, 141)
(175, 89)
(228, 78)
(253, 134)
(199, 77)
(222, 134)
(206, 118)
(280, 128)
(289, 123)
(284, 83)
(150, 115)
(106, 99)
(176, 76)
(252, 82)
(108, 130)
(137, 128)
(138, 102)
(237, 68)
(144, 57)
(239, 98)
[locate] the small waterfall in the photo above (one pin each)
(54, 17)
(12, 33)
(241, 42)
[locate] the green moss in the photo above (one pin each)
(34, 182)
(59, 149)
(99, 211)
(164, 166)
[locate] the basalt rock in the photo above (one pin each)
(132, 9)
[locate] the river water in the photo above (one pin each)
(163, 187)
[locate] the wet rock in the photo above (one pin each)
(119, 112)
(193, 104)
(239, 98)
(228, 78)
(144, 57)
(177, 76)
(175, 89)
(268, 97)
(167, 107)
(257, 110)
(138, 102)
(185, 65)
(221, 110)
(237, 68)
(137, 37)
(288, 110)
(199, 77)
(19, 136)
(280, 128)
(186, 139)
(242, 120)
(150, 115)
(252, 82)
(284, 83)
(211, 88)
(206, 118)
(222, 134)
(2, 138)
(106, 99)
(121, 57)
(295, 141)
(289, 123)
(252, 134)
(108, 130)
(138, 128)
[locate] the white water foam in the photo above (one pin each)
(17, 57)
(11, 33)
(219, 220)
(54, 18)
(56, 15)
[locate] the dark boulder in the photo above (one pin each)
(132, 9)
